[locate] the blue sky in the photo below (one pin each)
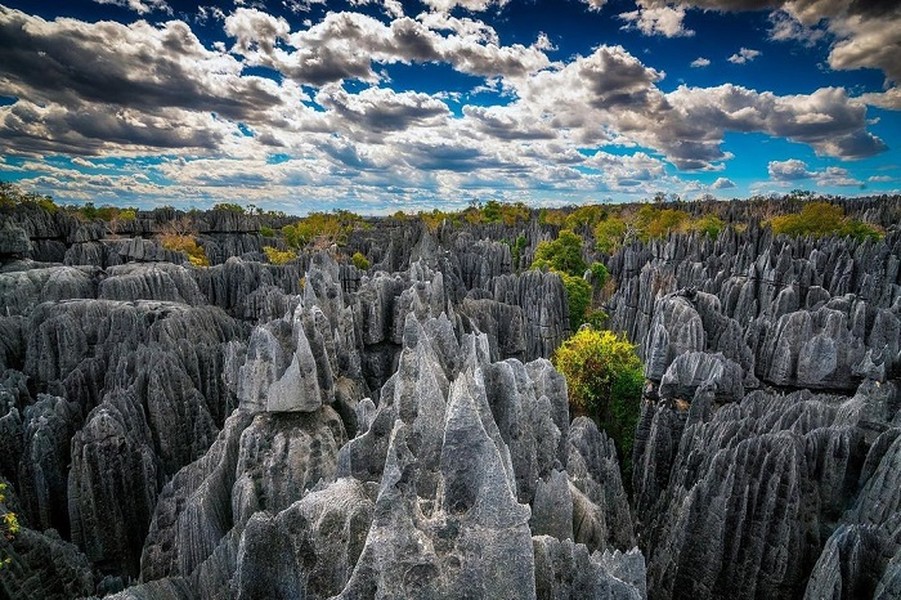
(380, 105)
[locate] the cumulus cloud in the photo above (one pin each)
(345, 45)
(836, 176)
(788, 170)
(102, 89)
(868, 43)
(795, 170)
(700, 62)
(784, 27)
(722, 183)
(470, 5)
(657, 20)
(595, 5)
(744, 55)
(378, 110)
(140, 66)
(862, 34)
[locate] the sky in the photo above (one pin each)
(384, 105)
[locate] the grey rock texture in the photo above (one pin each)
(310, 430)
(426, 500)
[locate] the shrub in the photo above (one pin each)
(820, 219)
(516, 249)
(267, 231)
(433, 219)
(278, 257)
(604, 377)
(186, 244)
(360, 261)
(552, 216)
(9, 523)
(596, 318)
(709, 225)
(230, 207)
(585, 216)
(609, 234)
(654, 222)
(321, 230)
(12, 195)
(563, 254)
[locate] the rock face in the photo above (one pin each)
(767, 493)
(311, 430)
(435, 493)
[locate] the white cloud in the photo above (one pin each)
(346, 45)
(784, 27)
(470, 5)
(722, 183)
(744, 55)
(891, 98)
(595, 5)
(868, 43)
(657, 20)
(107, 89)
(795, 170)
(836, 177)
(862, 34)
(700, 62)
(142, 7)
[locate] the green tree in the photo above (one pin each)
(820, 219)
(360, 261)
(609, 234)
(578, 296)
(321, 230)
(599, 274)
(563, 254)
(604, 378)
(710, 225)
(230, 207)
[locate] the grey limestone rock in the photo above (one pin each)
(155, 281)
(13, 241)
(567, 570)
(701, 371)
(112, 459)
(48, 426)
(43, 566)
(22, 290)
(281, 455)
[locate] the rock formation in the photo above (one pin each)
(314, 430)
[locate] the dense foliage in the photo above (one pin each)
(186, 244)
(609, 234)
(563, 254)
(604, 377)
(321, 230)
(279, 257)
(360, 261)
(564, 257)
(820, 219)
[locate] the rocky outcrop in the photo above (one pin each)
(432, 494)
(313, 430)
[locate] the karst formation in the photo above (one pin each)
(317, 429)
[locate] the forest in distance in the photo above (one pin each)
(666, 399)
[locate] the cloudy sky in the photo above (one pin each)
(380, 105)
